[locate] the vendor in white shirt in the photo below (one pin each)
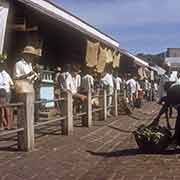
(23, 69)
(5, 90)
(68, 84)
(108, 84)
(117, 81)
(5, 80)
(133, 86)
(87, 80)
(76, 77)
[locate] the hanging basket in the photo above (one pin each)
(151, 139)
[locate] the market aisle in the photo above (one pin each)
(106, 151)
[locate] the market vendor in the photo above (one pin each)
(108, 84)
(6, 84)
(68, 84)
(24, 74)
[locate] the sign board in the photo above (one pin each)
(47, 93)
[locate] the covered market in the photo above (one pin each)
(59, 41)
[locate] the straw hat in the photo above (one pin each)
(30, 50)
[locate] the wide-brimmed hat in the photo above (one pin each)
(30, 50)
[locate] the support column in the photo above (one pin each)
(26, 121)
(105, 104)
(115, 103)
(67, 125)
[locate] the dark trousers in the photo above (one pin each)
(177, 127)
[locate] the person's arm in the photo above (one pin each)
(19, 74)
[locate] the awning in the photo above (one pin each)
(51, 9)
(137, 60)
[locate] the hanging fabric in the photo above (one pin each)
(116, 59)
(102, 59)
(92, 53)
(141, 73)
(109, 56)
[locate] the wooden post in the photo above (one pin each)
(87, 120)
(26, 121)
(105, 104)
(124, 93)
(67, 125)
(87, 107)
(115, 103)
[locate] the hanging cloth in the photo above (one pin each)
(92, 53)
(109, 56)
(102, 60)
(116, 59)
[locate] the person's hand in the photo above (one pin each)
(30, 73)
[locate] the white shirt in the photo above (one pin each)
(108, 80)
(173, 76)
(77, 81)
(87, 82)
(118, 82)
(68, 83)
(156, 86)
(22, 68)
(163, 80)
(146, 85)
(176, 83)
(133, 85)
(5, 81)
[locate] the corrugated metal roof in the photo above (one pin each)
(53, 10)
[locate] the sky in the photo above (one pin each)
(140, 26)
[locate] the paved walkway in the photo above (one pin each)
(105, 152)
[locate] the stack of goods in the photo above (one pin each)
(152, 139)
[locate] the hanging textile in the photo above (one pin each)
(116, 59)
(109, 56)
(141, 73)
(102, 59)
(152, 76)
(4, 9)
(92, 53)
(146, 73)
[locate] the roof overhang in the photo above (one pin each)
(56, 12)
(137, 60)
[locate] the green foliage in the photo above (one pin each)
(148, 134)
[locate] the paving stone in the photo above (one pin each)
(107, 151)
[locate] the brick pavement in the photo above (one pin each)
(107, 151)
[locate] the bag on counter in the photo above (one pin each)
(23, 86)
(152, 139)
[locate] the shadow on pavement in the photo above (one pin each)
(131, 152)
(121, 130)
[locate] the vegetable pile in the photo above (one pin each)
(152, 139)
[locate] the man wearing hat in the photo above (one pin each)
(23, 70)
(5, 90)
